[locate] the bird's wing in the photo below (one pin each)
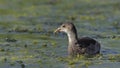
(86, 41)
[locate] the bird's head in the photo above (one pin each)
(65, 27)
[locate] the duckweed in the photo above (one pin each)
(27, 39)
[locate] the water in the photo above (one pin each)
(27, 39)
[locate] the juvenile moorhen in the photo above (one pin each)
(78, 46)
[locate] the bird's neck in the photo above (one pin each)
(72, 37)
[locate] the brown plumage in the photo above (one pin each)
(78, 46)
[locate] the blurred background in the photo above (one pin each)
(27, 39)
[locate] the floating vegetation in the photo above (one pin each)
(44, 45)
(27, 39)
(1, 49)
(12, 64)
(10, 39)
(19, 29)
(4, 60)
(116, 25)
(21, 64)
(25, 45)
(35, 42)
(53, 43)
(114, 58)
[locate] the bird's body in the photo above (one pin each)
(78, 46)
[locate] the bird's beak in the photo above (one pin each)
(57, 30)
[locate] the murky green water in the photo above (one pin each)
(27, 39)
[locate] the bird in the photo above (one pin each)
(78, 46)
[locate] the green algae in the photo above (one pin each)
(26, 32)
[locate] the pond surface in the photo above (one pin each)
(27, 39)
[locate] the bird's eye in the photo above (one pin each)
(63, 26)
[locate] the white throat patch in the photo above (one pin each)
(69, 37)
